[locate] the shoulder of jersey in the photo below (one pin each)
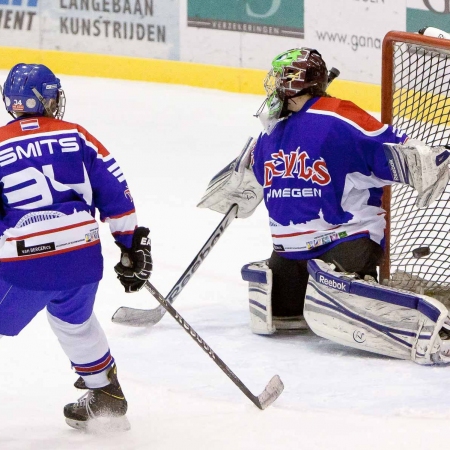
(347, 112)
(33, 125)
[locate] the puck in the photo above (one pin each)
(420, 252)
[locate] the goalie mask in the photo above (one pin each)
(295, 72)
(33, 89)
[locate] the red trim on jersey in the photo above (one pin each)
(53, 230)
(360, 232)
(348, 110)
(303, 232)
(128, 213)
(123, 233)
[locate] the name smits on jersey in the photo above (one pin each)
(37, 148)
(295, 164)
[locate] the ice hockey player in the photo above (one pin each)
(53, 177)
(320, 165)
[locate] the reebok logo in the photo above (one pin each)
(330, 282)
(394, 173)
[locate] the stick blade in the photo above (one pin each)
(272, 391)
(138, 317)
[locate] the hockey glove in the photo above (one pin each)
(135, 266)
(423, 167)
(235, 184)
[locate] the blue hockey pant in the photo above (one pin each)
(71, 317)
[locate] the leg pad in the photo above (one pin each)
(259, 277)
(371, 317)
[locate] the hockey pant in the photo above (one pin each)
(71, 317)
(374, 318)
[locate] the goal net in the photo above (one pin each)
(416, 100)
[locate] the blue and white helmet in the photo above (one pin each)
(33, 89)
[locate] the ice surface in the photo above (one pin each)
(170, 141)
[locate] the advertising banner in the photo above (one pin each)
(19, 23)
(143, 28)
(233, 33)
(350, 35)
(272, 17)
(248, 33)
(240, 33)
(432, 13)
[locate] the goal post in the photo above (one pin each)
(415, 90)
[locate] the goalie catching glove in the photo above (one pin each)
(135, 266)
(235, 184)
(423, 167)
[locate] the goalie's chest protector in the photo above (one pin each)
(323, 169)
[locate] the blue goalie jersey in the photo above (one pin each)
(53, 177)
(323, 170)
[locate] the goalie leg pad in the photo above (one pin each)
(374, 318)
(259, 277)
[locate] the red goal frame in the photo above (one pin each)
(387, 90)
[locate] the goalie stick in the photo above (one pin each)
(272, 390)
(148, 317)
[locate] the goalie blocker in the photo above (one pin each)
(374, 318)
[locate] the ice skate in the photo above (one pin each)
(80, 384)
(100, 409)
(290, 323)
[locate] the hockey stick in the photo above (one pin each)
(271, 392)
(149, 317)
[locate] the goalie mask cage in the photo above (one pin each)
(416, 100)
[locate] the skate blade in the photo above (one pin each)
(101, 424)
(295, 325)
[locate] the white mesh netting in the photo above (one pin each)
(420, 107)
